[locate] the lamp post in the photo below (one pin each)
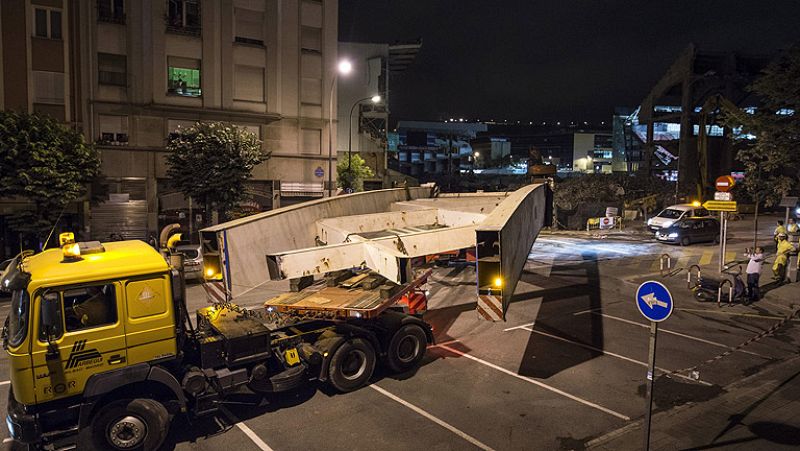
(375, 99)
(344, 67)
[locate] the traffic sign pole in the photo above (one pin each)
(651, 374)
(654, 302)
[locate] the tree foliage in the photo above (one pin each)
(211, 161)
(772, 157)
(46, 163)
(611, 189)
(350, 173)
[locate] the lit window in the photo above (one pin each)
(47, 23)
(183, 77)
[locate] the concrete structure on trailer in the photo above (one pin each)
(384, 231)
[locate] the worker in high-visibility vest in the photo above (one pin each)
(793, 230)
(782, 258)
(780, 229)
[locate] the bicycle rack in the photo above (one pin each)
(730, 292)
(664, 258)
(689, 275)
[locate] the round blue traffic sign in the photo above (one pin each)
(319, 172)
(654, 301)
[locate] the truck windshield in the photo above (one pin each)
(18, 317)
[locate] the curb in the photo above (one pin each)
(607, 437)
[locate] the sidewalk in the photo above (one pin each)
(761, 412)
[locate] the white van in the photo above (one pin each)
(673, 213)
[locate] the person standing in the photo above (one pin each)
(793, 230)
(756, 257)
(782, 258)
(780, 229)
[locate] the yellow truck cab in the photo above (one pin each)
(103, 353)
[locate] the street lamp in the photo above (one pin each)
(375, 99)
(344, 67)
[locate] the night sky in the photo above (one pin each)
(554, 60)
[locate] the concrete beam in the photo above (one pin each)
(504, 241)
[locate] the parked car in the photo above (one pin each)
(192, 261)
(674, 213)
(690, 230)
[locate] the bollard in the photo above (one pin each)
(689, 276)
(661, 263)
(719, 292)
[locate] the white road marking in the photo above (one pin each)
(436, 420)
(679, 334)
(613, 354)
(519, 327)
(247, 431)
(5, 382)
(7, 439)
(539, 384)
(256, 439)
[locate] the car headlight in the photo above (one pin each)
(797, 211)
(673, 235)
(667, 224)
(650, 221)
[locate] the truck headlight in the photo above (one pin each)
(673, 235)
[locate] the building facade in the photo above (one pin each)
(128, 73)
(429, 150)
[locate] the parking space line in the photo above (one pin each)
(5, 382)
(613, 354)
(433, 418)
(247, 431)
(518, 327)
(539, 384)
(679, 334)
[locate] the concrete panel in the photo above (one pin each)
(248, 240)
(504, 241)
(330, 230)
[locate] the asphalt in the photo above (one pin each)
(566, 370)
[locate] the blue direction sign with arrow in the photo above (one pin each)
(654, 301)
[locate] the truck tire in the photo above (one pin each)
(406, 348)
(130, 424)
(351, 365)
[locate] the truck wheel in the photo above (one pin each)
(137, 424)
(406, 348)
(351, 365)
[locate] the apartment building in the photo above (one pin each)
(130, 72)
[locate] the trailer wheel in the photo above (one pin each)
(406, 348)
(130, 424)
(351, 365)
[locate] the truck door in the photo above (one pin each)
(89, 339)
(149, 319)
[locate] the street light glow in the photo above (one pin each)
(376, 99)
(477, 154)
(345, 67)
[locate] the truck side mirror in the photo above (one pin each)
(50, 312)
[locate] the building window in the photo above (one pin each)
(112, 11)
(311, 39)
(183, 16)
(47, 23)
(183, 77)
(311, 78)
(113, 130)
(112, 69)
(249, 26)
(48, 87)
(248, 83)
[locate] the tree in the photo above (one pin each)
(210, 162)
(352, 172)
(46, 163)
(771, 158)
